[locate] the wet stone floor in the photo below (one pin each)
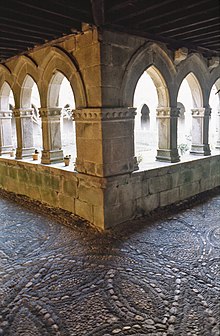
(154, 276)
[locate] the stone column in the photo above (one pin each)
(51, 133)
(167, 131)
(218, 140)
(200, 131)
(105, 141)
(5, 132)
(24, 130)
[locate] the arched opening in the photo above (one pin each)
(30, 99)
(189, 97)
(150, 93)
(214, 122)
(7, 103)
(61, 95)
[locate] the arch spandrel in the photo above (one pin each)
(59, 61)
(149, 55)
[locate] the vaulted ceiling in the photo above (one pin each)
(194, 24)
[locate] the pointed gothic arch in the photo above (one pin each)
(153, 59)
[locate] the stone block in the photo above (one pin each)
(11, 184)
(13, 172)
(66, 203)
(33, 192)
(106, 54)
(99, 218)
(23, 175)
(123, 128)
(84, 210)
(189, 189)
(146, 204)
(91, 195)
(116, 214)
(186, 176)
(94, 96)
(70, 187)
(86, 39)
(215, 167)
(111, 76)
(206, 184)
(50, 197)
(89, 130)
(92, 76)
(52, 182)
(169, 196)
(90, 149)
(160, 183)
(111, 196)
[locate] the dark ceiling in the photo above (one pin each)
(194, 24)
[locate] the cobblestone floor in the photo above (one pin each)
(153, 277)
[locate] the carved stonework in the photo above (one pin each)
(50, 112)
(198, 112)
(168, 112)
(104, 114)
(23, 113)
(6, 114)
(180, 55)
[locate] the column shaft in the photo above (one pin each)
(218, 140)
(5, 132)
(200, 131)
(24, 130)
(51, 133)
(167, 124)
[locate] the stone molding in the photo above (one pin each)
(6, 114)
(50, 112)
(23, 113)
(105, 114)
(201, 112)
(167, 112)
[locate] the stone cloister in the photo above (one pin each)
(106, 187)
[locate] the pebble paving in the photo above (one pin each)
(153, 276)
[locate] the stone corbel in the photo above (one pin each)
(213, 62)
(180, 55)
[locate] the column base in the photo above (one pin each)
(24, 153)
(168, 155)
(52, 156)
(200, 150)
(5, 149)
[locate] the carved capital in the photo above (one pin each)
(201, 112)
(95, 114)
(168, 112)
(50, 112)
(23, 113)
(5, 114)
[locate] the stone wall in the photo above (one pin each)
(80, 194)
(141, 192)
(106, 202)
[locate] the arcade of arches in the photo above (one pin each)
(105, 185)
